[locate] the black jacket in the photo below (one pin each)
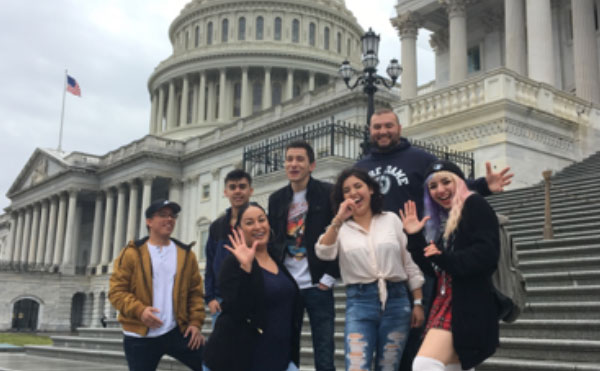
(320, 213)
(243, 318)
(470, 261)
(215, 254)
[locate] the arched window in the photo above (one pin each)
(224, 30)
(295, 31)
(326, 38)
(312, 30)
(197, 36)
(275, 93)
(257, 91)
(277, 33)
(339, 43)
(237, 99)
(242, 28)
(209, 33)
(260, 26)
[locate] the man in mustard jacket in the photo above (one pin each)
(157, 289)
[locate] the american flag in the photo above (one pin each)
(73, 86)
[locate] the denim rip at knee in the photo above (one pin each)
(369, 329)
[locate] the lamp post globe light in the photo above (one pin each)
(369, 78)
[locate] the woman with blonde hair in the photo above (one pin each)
(462, 329)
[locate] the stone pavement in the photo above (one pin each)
(24, 362)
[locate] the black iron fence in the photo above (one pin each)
(331, 138)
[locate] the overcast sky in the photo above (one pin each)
(110, 47)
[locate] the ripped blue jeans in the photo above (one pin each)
(372, 330)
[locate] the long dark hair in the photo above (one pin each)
(337, 194)
(243, 209)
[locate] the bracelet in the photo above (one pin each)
(336, 224)
(418, 302)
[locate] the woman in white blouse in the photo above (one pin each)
(378, 272)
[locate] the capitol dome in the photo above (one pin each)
(232, 58)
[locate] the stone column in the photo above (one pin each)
(119, 222)
(146, 195)
(289, 86)
(60, 231)
(244, 96)
(96, 232)
(42, 235)
(457, 16)
(108, 229)
(153, 120)
(267, 98)
(133, 211)
(185, 92)
(68, 261)
(175, 196)
(585, 51)
(26, 235)
(540, 47)
(51, 233)
(35, 223)
(222, 95)
(194, 104)
(161, 110)
(171, 124)
(514, 27)
(408, 25)
(311, 80)
(201, 97)
(8, 255)
(16, 258)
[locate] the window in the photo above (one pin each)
(295, 31)
(311, 33)
(242, 28)
(190, 106)
(473, 61)
(297, 90)
(224, 30)
(260, 26)
(277, 33)
(205, 191)
(206, 90)
(257, 91)
(348, 47)
(209, 33)
(217, 94)
(187, 40)
(197, 36)
(237, 99)
(326, 38)
(339, 43)
(275, 93)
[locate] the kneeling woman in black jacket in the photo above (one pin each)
(462, 329)
(259, 326)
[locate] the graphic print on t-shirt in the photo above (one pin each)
(386, 175)
(295, 228)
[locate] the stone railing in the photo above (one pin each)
(168, 147)
(497, 86)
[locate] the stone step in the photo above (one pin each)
(94, 343)
(531, 208)
(559, 252)
(590, 227)
(560, 235)
(563, 293)
(574, 310)
(570, 350)
(307, 359)
(99, 332)
(513, 364)
(558, 242)
(559, 265)
(562, 218)
(570, 277)
(552, 328)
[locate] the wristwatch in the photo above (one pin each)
(418, 302)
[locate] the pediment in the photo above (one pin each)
(42, 165)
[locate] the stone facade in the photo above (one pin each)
(71, 213)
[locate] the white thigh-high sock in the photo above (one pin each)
(456, 367)
(427, 364)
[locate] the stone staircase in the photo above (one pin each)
(560, 327)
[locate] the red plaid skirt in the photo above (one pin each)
(440, 315)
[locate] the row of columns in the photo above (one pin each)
(44, 237)
(532, 18)
(203, 109)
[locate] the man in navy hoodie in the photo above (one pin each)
(400, 170)
(238, 189)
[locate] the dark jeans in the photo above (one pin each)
(143, 354)
(415, 336)
(321, 313)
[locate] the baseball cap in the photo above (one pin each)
(159, 204)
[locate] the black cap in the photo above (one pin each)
(444, 165)
(159, 204)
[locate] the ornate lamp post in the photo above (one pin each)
(369, 78)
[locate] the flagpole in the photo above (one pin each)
(62, 114)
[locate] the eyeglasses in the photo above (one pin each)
(166, 215)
